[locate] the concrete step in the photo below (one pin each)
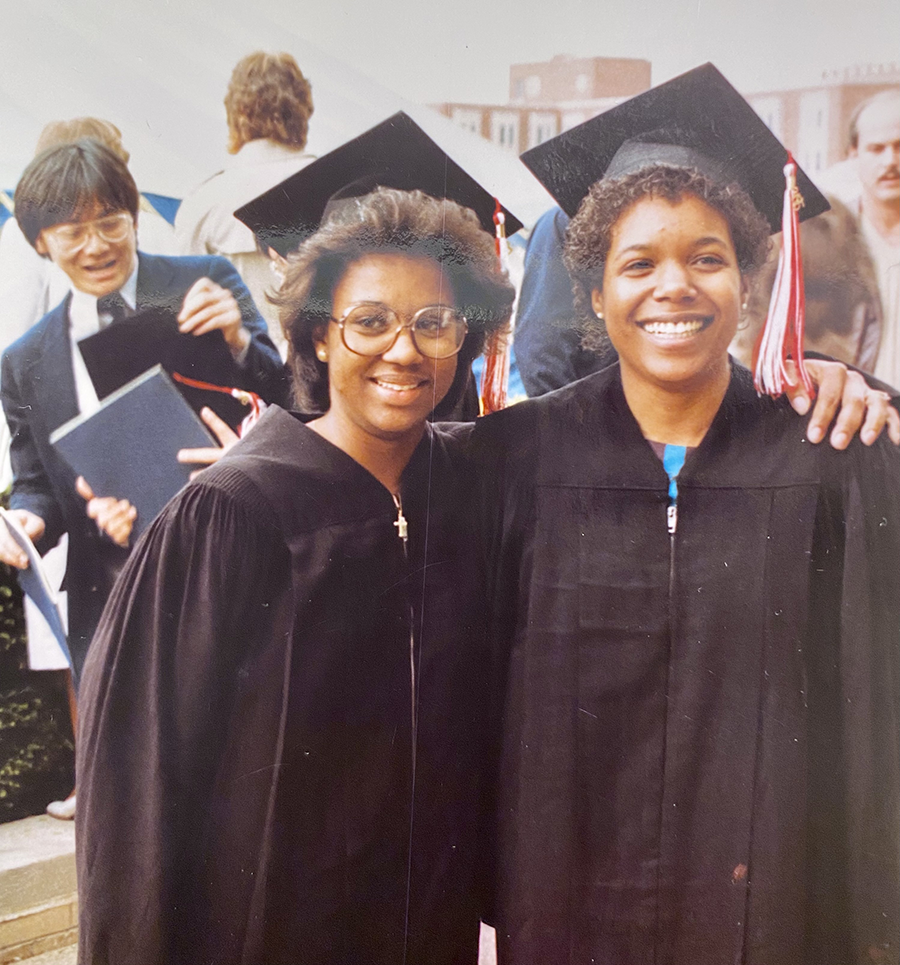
(38, 896)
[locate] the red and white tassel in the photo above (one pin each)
(495, 378)
(245, 397)
(782, 335)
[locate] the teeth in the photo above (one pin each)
(673, 328)
(397, 386)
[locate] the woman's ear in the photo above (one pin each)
(597, 302)
(318, 340)
(40, 246)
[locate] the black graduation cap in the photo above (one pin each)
(121, 352)
(695, 120)
(396, 153)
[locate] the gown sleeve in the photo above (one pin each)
(196, 604)
(858, 708)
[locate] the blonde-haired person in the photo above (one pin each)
(268, 106)
(30, 285)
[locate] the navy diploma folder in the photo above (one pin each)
(127, 448)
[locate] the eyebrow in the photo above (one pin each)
(699, 243)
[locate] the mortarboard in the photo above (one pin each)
(396, 153)
(201, 364)
(695, 120)
(698, 120)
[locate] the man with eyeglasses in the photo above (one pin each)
(77, 204)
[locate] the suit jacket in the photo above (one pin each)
(548, 337)
(38, 395)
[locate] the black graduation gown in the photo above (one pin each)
(699, 760)
(245, 775)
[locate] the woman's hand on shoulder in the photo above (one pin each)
(844, 394)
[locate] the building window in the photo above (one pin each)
(532, 86)
(505, 129)
(467, 118)
(541, 127)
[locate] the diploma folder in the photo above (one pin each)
(127, 448)
(119, 353)
(35, 583)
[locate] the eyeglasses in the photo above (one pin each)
(74, 235)
(437, 331)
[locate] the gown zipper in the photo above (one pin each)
(673, 460)
(403, 535)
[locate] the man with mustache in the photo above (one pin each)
(875, 143)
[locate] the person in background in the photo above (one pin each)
(696, 613)
(875, 143)
(268, 107)
(851, 254)
(843, 305)
(77, 204)
(548, 340)
(31, 285)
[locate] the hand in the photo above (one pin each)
(207, 307)
(846, 394)
(10, 551)
(115, 517)
(222, 431)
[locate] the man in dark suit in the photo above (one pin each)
(77, 204)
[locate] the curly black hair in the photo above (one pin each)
(590, 231)
(398, 222)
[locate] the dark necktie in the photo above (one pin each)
(114, 307)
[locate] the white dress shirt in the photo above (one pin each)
(84, 321)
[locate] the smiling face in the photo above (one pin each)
(387, 396)
(99, 266)
(672, 295)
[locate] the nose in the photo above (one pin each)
(93, 240)
(673, 282)
(403, 351)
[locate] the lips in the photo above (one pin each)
(679, 327)
(105, 266)
(399, 384)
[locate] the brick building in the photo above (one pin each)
(813, 121)
(550, 97)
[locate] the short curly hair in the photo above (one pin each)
(268, 96)
(388, 221)
(590, 231)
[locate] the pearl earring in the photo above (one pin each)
(321, 354)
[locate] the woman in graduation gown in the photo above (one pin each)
(282, 730)
(697, 614)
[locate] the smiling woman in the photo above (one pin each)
(660, 260)
(403, 252)
(695, 611)
(292, 666)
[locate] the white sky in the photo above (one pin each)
(159, 68)
(462, 50)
